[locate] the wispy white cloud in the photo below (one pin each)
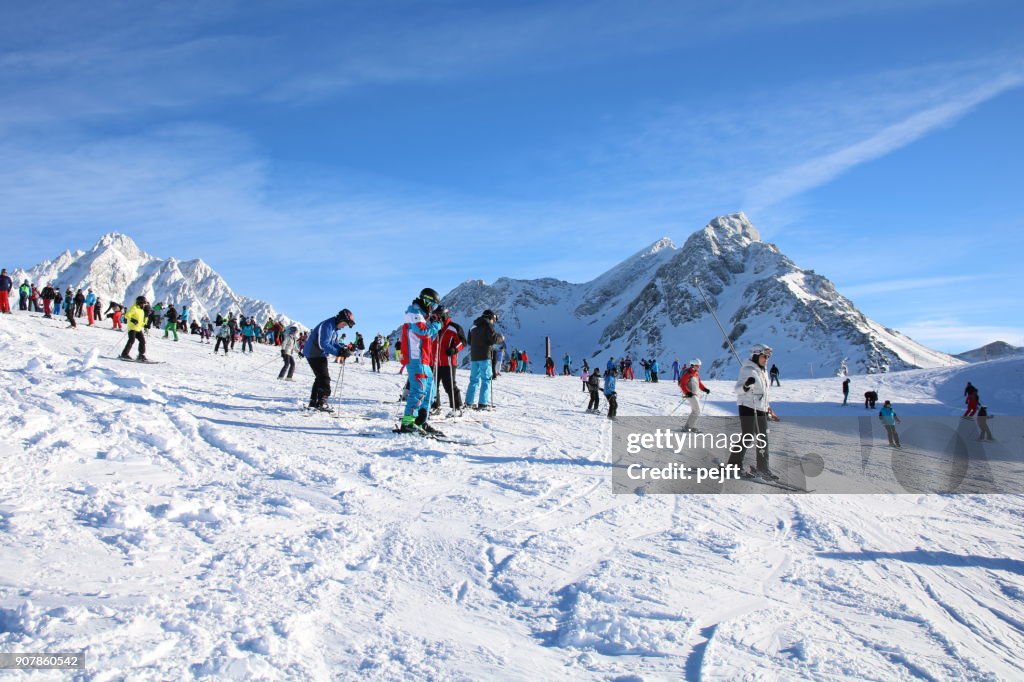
(892, 286)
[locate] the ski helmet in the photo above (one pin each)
(442, 312)
(761, 349)
(695, 362)
(139, 300)
(490, 315)
(430, 298)
(345, 315)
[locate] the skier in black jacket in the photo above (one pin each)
(481, 338)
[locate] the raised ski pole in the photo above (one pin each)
(736, 355)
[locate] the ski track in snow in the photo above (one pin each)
(187, 519)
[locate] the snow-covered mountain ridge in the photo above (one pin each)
(118, 270)
(649, 306)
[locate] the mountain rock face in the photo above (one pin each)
(118, 270)
(650, 306)
(991, 351)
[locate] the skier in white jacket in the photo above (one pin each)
(755, 411)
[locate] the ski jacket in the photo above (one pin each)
(452, 338)
(774, 371)
(223, 331)
(567, 360)
(24, 289)
(136, 318)
(690, 382)
(6, 283)
(172, 315)
(846, 387)
(888, 416)
(79, 297)
(970, 390)
(609, 385)
(611, 364)
(323, 340)
(289, 344)
(48, 293)
(655, 367)
(418, 336)
(248, 330)
(481, 337)
(90, 299)
(594, 382)
(185, 315)
(754, 396)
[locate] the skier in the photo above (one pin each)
(627, 371)
(774, 374)
(755, 410)
(171, 326)
(420, 330)
(675, 370)
(524, 362)
(69, 308)
(450, 341)
(846, 390)
(983, 417)
(889, 420)
(58, 299)
(6, 284)
(870, 398)
(585, 376)
(610, 365)
(375, 353)
(549, 366)
(609, 394)
(482, 337)
(248, 332)
(655, 369)
(222, 334)
(594, 384)
(567, 365)
(90, 307)
(690, 383)
(115, 316)
(321, 343)
(97, 309)
(136, 319)
(972, 400)
(48, 295)
(288, 354)
(23, 292)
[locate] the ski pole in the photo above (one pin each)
(337, 380)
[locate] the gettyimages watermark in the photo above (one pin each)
(845, 454)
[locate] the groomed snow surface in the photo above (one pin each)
(187, 520)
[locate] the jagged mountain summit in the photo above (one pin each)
(118, 270)
(649, 306)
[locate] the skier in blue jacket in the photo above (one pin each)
(609, 394)
(567, 365)
(889, 420)
(322, 342)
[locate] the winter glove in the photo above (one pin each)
(750, 382)
(707, 390)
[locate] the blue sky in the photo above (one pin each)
(324, 154)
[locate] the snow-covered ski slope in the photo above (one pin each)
(185, 519)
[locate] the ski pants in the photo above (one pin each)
(890, 432)
(375, 362)
(116, 317)
(846, 396)
(134, 336)
(774, 380)
(171, 327)
(46, 307)
(613, 405)
(550, 371)
(566, 370)
(972, 406)
(654, 377)
(221, 340)
(70, 313)
(321, 383)
(595, 400)
(5, 301)
(691, 421)
(90, 314)
(247, 341)
(986, 433)
(752, 424)
(289, 365)
(445, 376)
(23, 302)
(479, 382)
(421, 391)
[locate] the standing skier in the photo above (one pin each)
(889, 420)
(321, 343)
(482, 337)
(983, 417)
(6, 284)
(655, 369)
(675, 370)
(690, 383)
(48, 295)
(609, 394)
(450, 341)
(594, 385)
(549, 366)
(69, 308)
(420, 330)
(567, 365)
(774, 374)
(136, 319)
(846, 390)
(755, 410)
(171, 325)
(288, 354)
